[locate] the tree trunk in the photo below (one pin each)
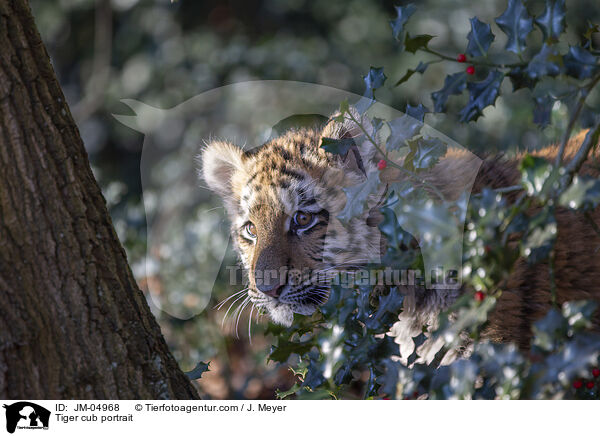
(73, 322)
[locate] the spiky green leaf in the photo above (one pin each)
(481, 95)
(480, 38)
(453, 84)
(517, 24)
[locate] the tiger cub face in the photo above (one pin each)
(283, 199)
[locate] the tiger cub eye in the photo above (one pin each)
(302, 219)
(250, 229)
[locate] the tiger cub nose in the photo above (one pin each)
(272, 290)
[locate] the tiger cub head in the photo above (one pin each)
(283, 199)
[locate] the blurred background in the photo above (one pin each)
(163, 53)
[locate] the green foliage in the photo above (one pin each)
(545, 63)
(481, 95)
(453, 85)
(337, 146)
(480, 38)
(417, 112)
(373, 80)
(357, 196)
(345, 351)
(552, 20)
(197, 372)
(583, 194)
(424, 153)
(404, 13)
(419, 69)
(558, 357)
(580, 63)
(403, 129)
(517, 24)
(412, 44)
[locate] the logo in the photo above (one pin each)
(26, 415)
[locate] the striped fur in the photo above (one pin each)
(267, 185)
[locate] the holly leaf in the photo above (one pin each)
(343, 375)
(404, 13)
(555, 89)
(552, 21)
(373, 80)
(517, 24)
(282, 351)
(584, 192)
(580, 63)
(422, 67)
(401, 130)
(337, 146)
(579, 313)
(520, 79)
(406, 76)
(281, 395)
(545, 63)
(396, 236)
(387, 310)
(377, 124)
(198, 370)
(481, 95)
(412, 44)
(480, 38)
(553, 325)
(417, 112)
(314, 376)
(357, 196)
(424, 153)
(540, 237)
(538, 176)
(468, 316)
(419, 69)
(453, 85)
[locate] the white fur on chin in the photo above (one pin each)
(283, 313)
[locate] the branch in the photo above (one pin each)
(567, 135)
(591, 139)
(472, 61)
(394, 164)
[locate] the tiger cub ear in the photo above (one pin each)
(362, 151)
(220, 161)
(345, 129)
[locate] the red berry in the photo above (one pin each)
(589, 385)
(471, 70)
(596, 372)
(479, 296)
(382, 164)
(578, 384)
(461, 58)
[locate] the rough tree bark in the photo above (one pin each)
(73, 322)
